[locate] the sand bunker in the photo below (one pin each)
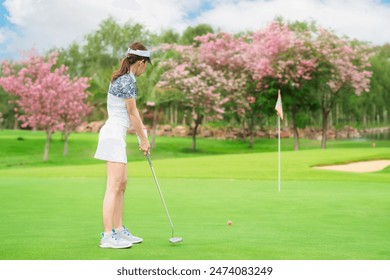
(359, 167)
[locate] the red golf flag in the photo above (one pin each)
(278, 106)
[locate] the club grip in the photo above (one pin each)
(149, 160)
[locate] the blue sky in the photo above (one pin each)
(3, 23)
(203, 7)
(3, 13)
(45, 24)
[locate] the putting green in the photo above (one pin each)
(55, 212)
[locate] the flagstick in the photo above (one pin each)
(279, 153)
(279, 110)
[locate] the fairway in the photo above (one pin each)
(54, 212)
(60, 219)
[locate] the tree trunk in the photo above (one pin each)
(285, 120)
(251, 140)
(330, 120)
(194, 137)
(176, 114)
(243, 129)
(184, 120)
(325, 113)
(327, 103)
(296, 139)
(198, 121)
(251, 126)
(171, 115)
(47, 146)
(66, 145)
(16, 124)
(154, 128)
(295, 129)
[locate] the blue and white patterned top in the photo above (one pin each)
(124, 86)
(121, 88)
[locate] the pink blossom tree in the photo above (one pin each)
(226, 54)
(299, 59)
(293, 68)
(248, 62)
(290, 57)
(265, 45)
(262, 47)
(199, 84)
(48, 98)
(73, 106)
(342, 65)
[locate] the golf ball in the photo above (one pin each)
(229, 223)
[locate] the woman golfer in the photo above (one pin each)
(122, 110)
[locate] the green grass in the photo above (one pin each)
(53, 210)
(21, 148)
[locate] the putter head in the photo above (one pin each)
(175, 240)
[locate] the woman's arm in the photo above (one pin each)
(136, 122)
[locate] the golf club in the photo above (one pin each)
(172, 239)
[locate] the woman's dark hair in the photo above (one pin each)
(129, 60)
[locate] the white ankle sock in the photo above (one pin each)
(119, 229)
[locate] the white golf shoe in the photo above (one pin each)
(126, 234)
(114, 241)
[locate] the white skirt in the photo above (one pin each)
(112, 143)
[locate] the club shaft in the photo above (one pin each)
(279, 178)
(159, 191)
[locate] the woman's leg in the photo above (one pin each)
(114, 187)
(118, 211)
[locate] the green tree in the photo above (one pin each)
(99, 55)
(166, 37)
(376, 104)
(191, 32)
(7, 110)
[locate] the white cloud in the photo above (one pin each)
(56, 23)
(127, 4)
(362, 19)
(2, 35)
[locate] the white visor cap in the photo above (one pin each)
(140, 53)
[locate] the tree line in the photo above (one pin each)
(231, 80)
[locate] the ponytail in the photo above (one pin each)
(125, 68)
